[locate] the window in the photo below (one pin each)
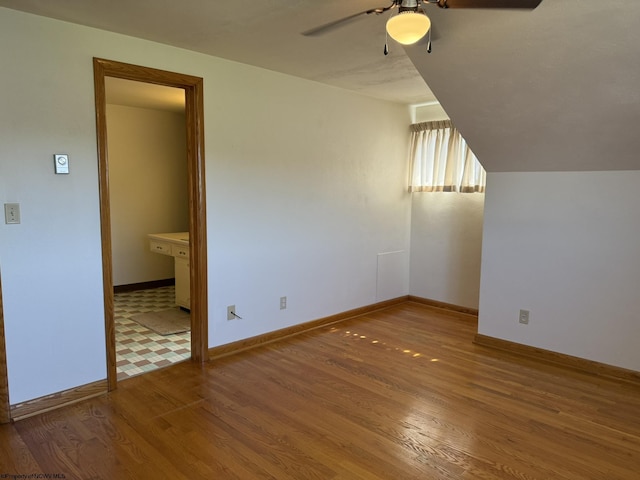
(441, 161)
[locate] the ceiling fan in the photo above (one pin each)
(411, 23)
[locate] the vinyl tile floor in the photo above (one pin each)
(138, 349)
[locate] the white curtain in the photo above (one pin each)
(441, 161)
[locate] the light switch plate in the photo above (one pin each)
(61, 163)
(11, 213)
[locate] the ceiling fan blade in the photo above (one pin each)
(528, 4)
(331, 25)
(327, 27)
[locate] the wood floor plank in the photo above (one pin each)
(399, 393)
(14, 453)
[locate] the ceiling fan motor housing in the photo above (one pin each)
(408, 5)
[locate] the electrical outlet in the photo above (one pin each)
(231, 312)
(283, 303)
(524, 317)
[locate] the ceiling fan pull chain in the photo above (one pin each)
(429, 42)
(386, 43)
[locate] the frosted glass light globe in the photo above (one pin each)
(408, 27)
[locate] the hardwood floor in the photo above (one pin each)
(399, 394)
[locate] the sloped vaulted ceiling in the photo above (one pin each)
(554, 89)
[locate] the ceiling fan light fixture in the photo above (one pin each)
(408, 27)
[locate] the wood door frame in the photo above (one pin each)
(194, 112)
(5, 412)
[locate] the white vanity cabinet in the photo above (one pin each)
(177, 246)
(183, 293)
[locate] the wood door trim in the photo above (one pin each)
(194, 113)
(5, 413)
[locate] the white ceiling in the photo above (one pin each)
(553, 89)
(265, 33)
(144, 95)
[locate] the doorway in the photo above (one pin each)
(146, 142)
(194, 114)
(5, 414)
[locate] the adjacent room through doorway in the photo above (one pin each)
(146, 136)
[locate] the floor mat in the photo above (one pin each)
(165, 322)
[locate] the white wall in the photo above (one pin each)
(430, 112)
(446, 242)
(148, 188)
(564, 246)
(446, 238)
(302, 196)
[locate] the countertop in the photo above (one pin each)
(178, 238)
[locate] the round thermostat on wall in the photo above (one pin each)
(61, 163)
